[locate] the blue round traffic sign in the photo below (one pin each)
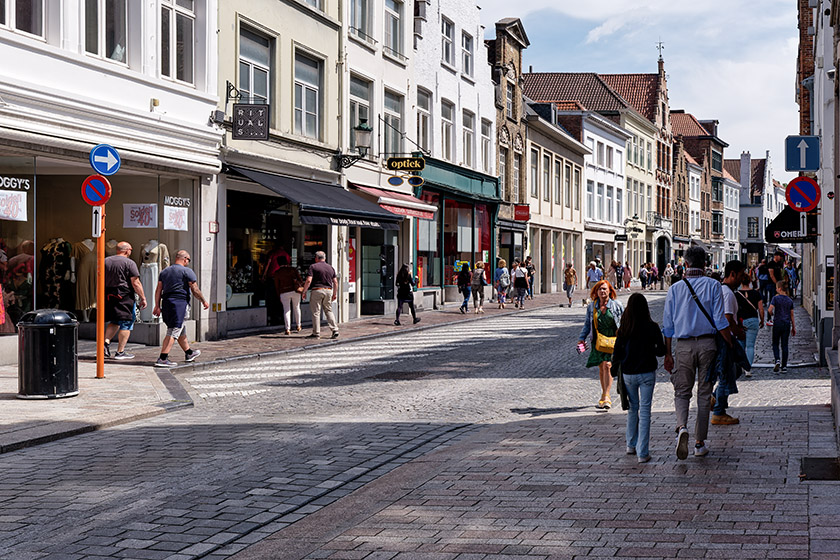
(803, 194)
(96, 190)
(104, 159)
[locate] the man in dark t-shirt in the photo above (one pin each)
(122, 282)
(322, 279)
(176, 285)
(775, 269)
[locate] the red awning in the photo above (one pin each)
(400, 203)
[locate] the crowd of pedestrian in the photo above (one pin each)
(707, 337)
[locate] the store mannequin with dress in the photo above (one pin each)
(154, 257)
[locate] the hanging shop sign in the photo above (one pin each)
(521, 212)
(140, 216)
(406, 164)
(791, 226)
(623, 237)
(13, 206)
(250, 121)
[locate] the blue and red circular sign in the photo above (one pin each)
(96, 190)
(803, 194)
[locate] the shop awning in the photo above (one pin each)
(790, 253)
(696, 242)
(400, 203)
(324, 204)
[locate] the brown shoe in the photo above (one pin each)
(724, 420)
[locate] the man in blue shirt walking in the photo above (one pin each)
(696, 347)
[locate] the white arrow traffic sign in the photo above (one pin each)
(803, 152)
(109, 159)
(97, 221)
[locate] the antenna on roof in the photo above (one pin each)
(660, 46)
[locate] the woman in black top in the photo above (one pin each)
(639, 341)
(751, 317)
(465, 286)
(405, 289)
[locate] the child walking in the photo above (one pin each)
(638, 342)
(781, 311)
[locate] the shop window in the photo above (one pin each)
(424, 118)
(177, 39)
(106, 29)
(428, 248)
(359, 104)
(17, 235)
(254, 66)
(393, 123)
(307, 96)
(23, 15)
(378, 275)
(457, 238)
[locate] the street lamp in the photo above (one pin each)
(361, 139)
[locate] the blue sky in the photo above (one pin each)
(730, 60)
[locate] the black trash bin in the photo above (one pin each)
(48, 361)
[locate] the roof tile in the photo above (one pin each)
(639, 90)
(587, 88)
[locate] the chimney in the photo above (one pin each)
(530, 69)
(746, 163)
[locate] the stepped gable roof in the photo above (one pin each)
(733, 167)
(640, 90)
(757, 167)
(587, 88)
(570, 106)
(685, 124)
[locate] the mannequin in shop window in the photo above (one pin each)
(85, 257)
(154, 257)
(111, 248)
(57, 274)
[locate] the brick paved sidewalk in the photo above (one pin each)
(133, 390)
(562, 487)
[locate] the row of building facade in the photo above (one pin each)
(565, 167)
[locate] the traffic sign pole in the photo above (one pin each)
(100, 297)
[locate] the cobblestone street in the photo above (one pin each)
(463, 441)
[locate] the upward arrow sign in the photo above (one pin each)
(97, 222)
(803, 152)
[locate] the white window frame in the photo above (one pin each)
(360, 108)
(393, 45)
(467, 57)
(102, 25)
(619, 205)
(599, 201)
(609, 163)
(304, 109)
(360, 20)
(393, 123)
(610, 200)
(447, 32)
(600, 154)
(176, 11)
(510, 93)
(517, 172)
(314, 3)
(558, 181)
(10, 21)
(424, 120)
(535, 173)
(567, 182)
(254, 64)
(447, 130)
(468, 126)
(546, 176)
(590, 199)
(503, 153)
(486, 145)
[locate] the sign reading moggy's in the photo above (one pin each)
(406, 164)
(15, 183)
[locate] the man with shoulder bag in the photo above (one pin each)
(694, 316)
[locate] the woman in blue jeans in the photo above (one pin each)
(465, 286)
(639, 341)
(750, 315)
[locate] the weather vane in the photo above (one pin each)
(660, 46)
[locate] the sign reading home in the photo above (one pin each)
(406, 164)
(250, 122)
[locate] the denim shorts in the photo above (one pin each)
(127, 325)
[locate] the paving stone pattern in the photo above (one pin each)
(273, 444)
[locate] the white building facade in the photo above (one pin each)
(695, 178)
(140, 76)
(731, 217)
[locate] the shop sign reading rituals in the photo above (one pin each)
(250, 121)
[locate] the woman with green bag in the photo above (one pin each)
(603, 317)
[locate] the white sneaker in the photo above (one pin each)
(701, 451)
(682, 444)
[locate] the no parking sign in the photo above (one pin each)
(803, 194)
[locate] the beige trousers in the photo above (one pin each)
(318, 300)
(692, 358)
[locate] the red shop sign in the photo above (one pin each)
(521, 212)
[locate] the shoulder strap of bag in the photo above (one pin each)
(740, 293)
(700, 305)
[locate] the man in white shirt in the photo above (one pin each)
(734, 272)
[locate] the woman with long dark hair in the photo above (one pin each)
(638, 342)
(603, 317)
(405, 293)
(465, 286)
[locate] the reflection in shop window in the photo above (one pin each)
(457, 238)
(17, 221)
(428, 255)
(106, 29)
